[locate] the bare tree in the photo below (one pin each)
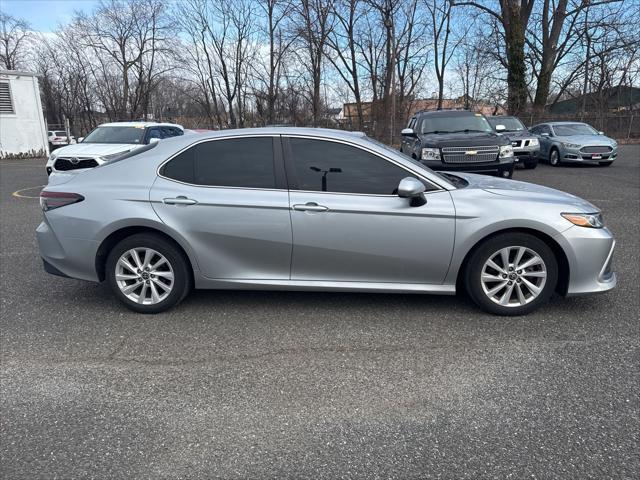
(14, 34)
(513, 16)
(440, 15)
(314, 29)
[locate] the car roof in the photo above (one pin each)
(565, 123)
(447, 113)
(141, 124)
(314, 132)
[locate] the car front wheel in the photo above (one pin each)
(511, 274)
(554, 157)
(148, 273)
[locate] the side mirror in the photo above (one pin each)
(153, 140)
(544, 134)
(500, 128)
(412, 188)
(80, 139)
(408, 132)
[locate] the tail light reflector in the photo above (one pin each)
(51, 200)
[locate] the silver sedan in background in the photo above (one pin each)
(573, 142)
(313, 209)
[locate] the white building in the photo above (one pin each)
(22, 127)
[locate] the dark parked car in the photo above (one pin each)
(457, 140)
(526, 147)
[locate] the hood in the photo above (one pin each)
(518, 135)
(586, 140)
(94, 149)
(526, 191)
(461, 139)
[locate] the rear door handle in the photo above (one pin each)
(180, 200)
(310, 207)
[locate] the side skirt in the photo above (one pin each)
(293, 285)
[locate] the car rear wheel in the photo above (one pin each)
(148, 273)
(554, 157)
(605, 164)
(511, 274)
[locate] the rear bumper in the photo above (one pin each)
(497, 166)
(76, 259)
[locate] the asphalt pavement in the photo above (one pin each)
(318, 385)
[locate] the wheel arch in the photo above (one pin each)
(560, 255)
(120, 234)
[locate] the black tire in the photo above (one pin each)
(554, 157)
(531, 164)
(182, 275)
(486, 250)
(506, 173)
(605, 164)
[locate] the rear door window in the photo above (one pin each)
(239, 162)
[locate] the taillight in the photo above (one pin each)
(51, 200)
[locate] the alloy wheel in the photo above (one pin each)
(144, 276)
(513, 276)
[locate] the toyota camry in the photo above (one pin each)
(312, 209)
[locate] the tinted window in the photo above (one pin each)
(242, 162)
(155, 133)
(334, 167)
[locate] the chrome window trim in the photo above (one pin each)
(439, 188)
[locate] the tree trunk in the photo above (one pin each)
(516, 72)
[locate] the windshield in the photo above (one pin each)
(511, 124)
(455, 124)
(569, 129)
(116, 135)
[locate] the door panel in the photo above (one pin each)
(371, 238)
(235, 233)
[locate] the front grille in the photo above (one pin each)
(516, 143)
(464, 155)
(74, 163)
(596, 149)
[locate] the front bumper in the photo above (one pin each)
(575, 155)
(522, 156)
(590, 255)
(503, 164)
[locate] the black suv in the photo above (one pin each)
(457, 140)
(526, 147)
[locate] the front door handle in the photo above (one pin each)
(180, 200)
(310, 207)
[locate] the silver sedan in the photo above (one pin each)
(312, 209)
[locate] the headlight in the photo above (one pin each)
(571, 145)
(589, 220)
(533, 142)
(506, 151)
(431, 154)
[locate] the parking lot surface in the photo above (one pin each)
(322, 385)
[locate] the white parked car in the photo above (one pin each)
(108, 141)
(58, 138)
